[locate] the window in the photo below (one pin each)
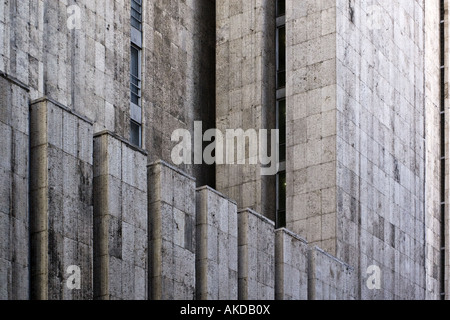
(281, 200)
(135, 76)
(281, 8)
(281, 110)
(136, 132)
(136, 14)
(281, 56)
(135, 73)
(281, 125)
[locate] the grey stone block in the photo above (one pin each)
(363, 115)
(14, 219)
(172, 235)
(61, 204)
(326, 273)
(215, 246)
(121, 220)
(256, 262)
(291, 266)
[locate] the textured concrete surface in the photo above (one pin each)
(380, 143)
(120, 220)
(356, 131)
(61, 214)
(87, 68)
(330, 278)
(172, 225)
(245, 84)
(14, 161)
(179, 87)
(364, 142)
(256, 243)
(311, 121)
(217, 247)
(291, 266)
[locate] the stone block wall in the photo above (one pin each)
(120, 220)
(363, 121)
(311, 121)
(245, 94)
(14, 161)
(61, 212)
(291, 266)
(381, 143)
(78, 57)
(217, 246)
(355, 100)
(330, 278)
(178, 87)
(256, 243)
(78, 53)
(172, 223)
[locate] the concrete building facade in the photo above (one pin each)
(94, 206)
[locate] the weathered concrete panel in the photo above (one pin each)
(330, 278)
(291, 266)
(380, 116)
(121, 220)
(245, 91)
(60, 202)
(311, 121)
(217, 247)
(355, 100)
(179, 79)
(363, 123)
(172, 226)
(14, 218)
(256, 252)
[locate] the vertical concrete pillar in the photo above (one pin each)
(60, 202)
(120, 219)
(311, 120)
(245, 94)
(217, 246)
(291, 266)
(256, 251)
(14, 225)
(171, 199)
(179, 78)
